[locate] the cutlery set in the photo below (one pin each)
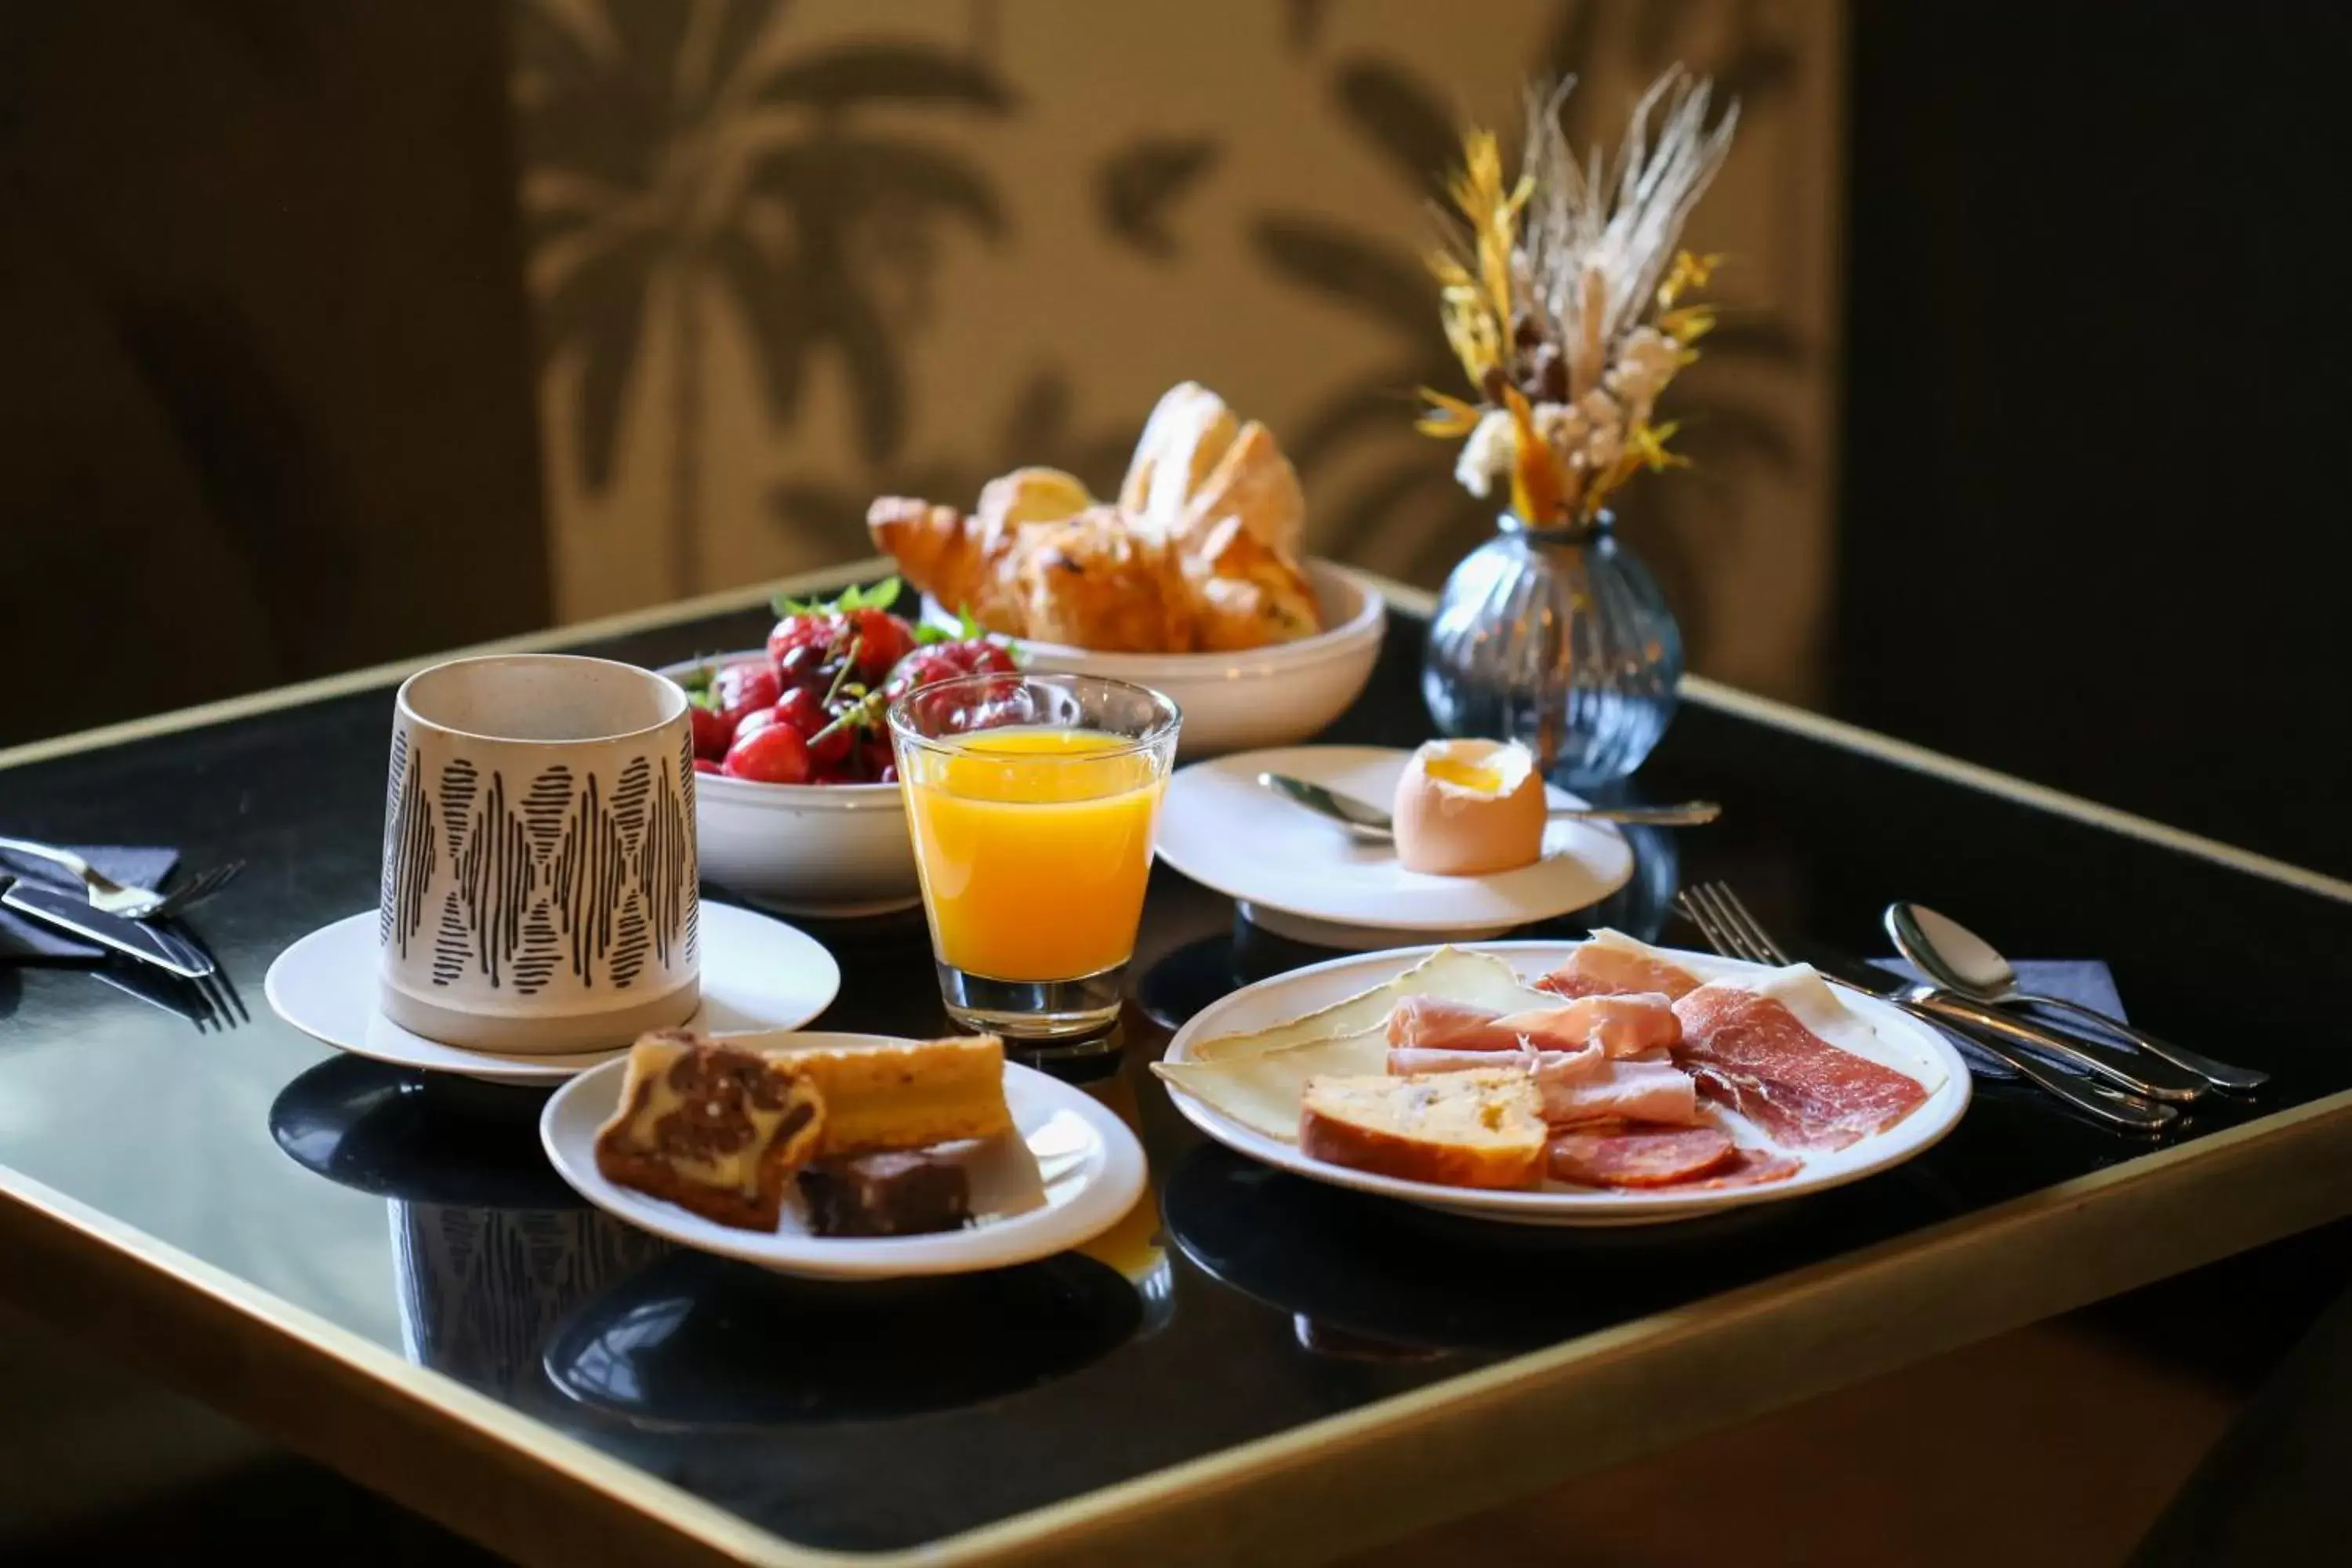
(2111, 1071)
(134, 921)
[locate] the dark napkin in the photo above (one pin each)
(2087, 982)
(23, 940)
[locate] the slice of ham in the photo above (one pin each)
(1621, 1026)
(1751, 1053)
(1593, 1087)
(1639, 1154)
(1436, 1024)
(1414, 1061)
(1609, 969)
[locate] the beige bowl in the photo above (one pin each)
(1241, 701)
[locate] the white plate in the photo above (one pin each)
(1088, 1172)
(1303, 990)
(1302, 875)
(757, 973)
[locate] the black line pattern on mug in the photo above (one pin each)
(562, 876)
(408, 828)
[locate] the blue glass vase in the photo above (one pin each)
(1557, 637)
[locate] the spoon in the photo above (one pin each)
(1959, 960)
(1371, 822)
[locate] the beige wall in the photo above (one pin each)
(1273, 100)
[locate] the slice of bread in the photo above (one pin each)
(1477, 1129)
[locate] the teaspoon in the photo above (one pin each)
(1959, 960)
(1370, 822)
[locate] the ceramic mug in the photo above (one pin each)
(540, 889)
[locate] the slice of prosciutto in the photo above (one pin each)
(1639, 1154)
(1435, 1024)
(1620, 1025)
(1613, 965)
(1413, 1061)
(1591, 1086)
(1749, 1052)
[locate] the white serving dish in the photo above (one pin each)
(1913, 1046)
(1237, 701)
(834, 851)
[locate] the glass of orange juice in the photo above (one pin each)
(1032, 801)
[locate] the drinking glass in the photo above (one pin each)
(1032, 801)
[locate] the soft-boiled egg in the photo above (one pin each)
(1464, 808)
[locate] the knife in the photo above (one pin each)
(70, 911)
(1978, 1022)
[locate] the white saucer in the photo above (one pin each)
(1300, 876)
(1073, 1171)
(757, 973)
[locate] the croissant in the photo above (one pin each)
(1253, 481)
(1246, 594)
(1189, 430)
(1198, 555)
(1092, 582)
(1030, 495)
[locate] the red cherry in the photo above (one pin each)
(774, 755)
(946, 660)
(816, 631)
(754, 723)
(802, 665)
(828, 746)
(704, 765)
(804, 709)
(741, 688)
(712, 732)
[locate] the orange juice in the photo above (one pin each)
(1033, 846)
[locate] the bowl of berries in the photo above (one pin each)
(797, 804)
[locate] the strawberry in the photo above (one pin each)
(774, 755)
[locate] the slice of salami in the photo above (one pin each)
(1640, 1155)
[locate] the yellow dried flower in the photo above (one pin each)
(1539, 487)
(1689, 271)
(1446, 415)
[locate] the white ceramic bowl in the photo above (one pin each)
(834, 851)
(1239, 701)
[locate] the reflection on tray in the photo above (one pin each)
(696, 1341)
(480, 1289)
(1366, 1277)
(428, 1137)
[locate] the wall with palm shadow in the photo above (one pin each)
(788, 257)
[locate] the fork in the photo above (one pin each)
(110, 897)
(1722, 918)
